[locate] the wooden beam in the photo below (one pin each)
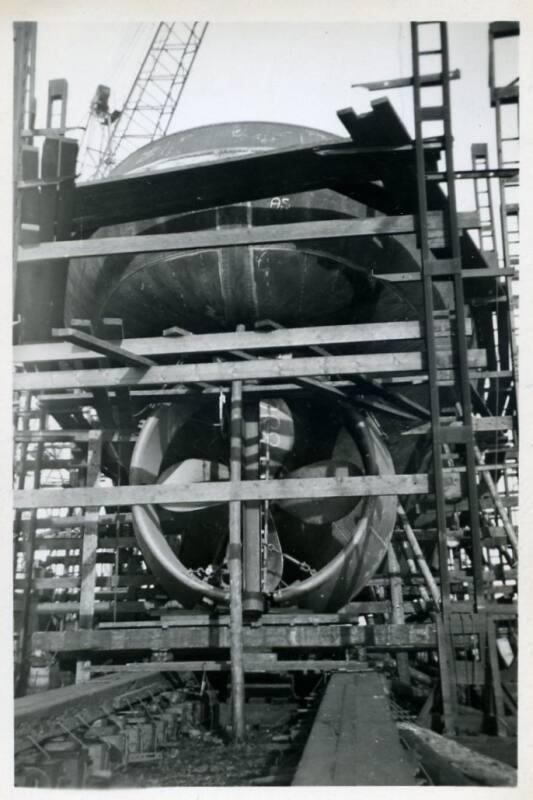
(235, 566)
(90, 536)
(96, 345)
(238, 237)
(478, 424)
(100, 607)
(397, 609)
(74, 542)
(251, 664)
(64, 703)
(71, 401)
(377, 637)
(441, 756)
(222, 491)
(71, 435)
(237, 370)
(109, 584)
(280, 339)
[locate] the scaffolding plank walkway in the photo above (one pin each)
(239, 370)
(354, 741)
(236, 237)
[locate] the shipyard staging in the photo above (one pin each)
(266, 389)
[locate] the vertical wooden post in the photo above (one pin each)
(89, 548)
(24, 405)
(25, 46)
(448, 680)
(499, 710)
(252, 597)
(493, 491)
(419, 556)
(29, 615)
(398, 613)
(235, 567)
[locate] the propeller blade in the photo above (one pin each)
(321, 511)
(193, 470)
(276, 425)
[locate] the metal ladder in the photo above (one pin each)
(484, 202)
(507, 96)
(434, 270)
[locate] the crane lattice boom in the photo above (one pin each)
(155, 92)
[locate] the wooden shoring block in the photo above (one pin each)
(237, 370)
(223, 491)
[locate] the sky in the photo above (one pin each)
(283, 72)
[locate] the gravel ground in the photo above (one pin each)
(203, 758)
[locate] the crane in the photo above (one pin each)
(151, 102)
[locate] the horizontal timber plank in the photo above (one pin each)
(278, 368)
(75, 542)
(112, 351)
(353, 740)
(478, 424)
(222, 491)
(72, 435)
(385, 637)
(349, 614)
(63, 523)
(94, 692)
(71, 401)
(100, 607)
(249, 664)
(235, 237)
(481, 272)
(102, 582)
(243, 340)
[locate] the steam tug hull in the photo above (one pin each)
(308, 557)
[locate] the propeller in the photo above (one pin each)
(330, 548)
(276, 435)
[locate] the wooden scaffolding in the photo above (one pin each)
(82, 589)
